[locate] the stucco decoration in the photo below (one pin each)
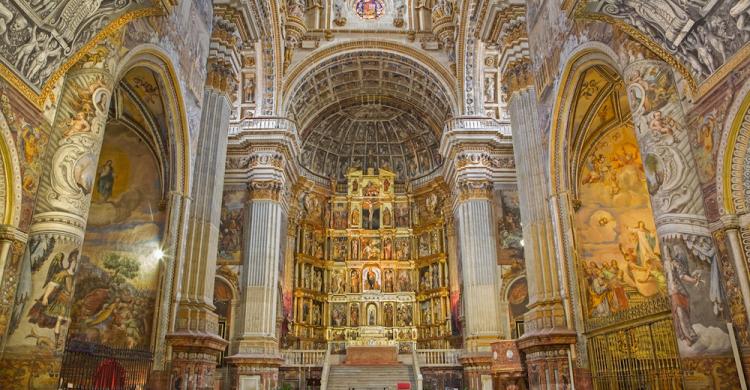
(38, 37)
(701, 36)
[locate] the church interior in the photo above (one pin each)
(374, 194)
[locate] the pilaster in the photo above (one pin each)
(194, 342)
(548, 326)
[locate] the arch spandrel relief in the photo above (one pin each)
(42, 37)
(699, 37)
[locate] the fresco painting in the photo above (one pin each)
(230, 229)
(118, 274)
(509, 232)
(619, 254)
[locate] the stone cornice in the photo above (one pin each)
(477, 148)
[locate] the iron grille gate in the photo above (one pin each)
(89, 366)
(643, 356)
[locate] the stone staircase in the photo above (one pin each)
(343, 377)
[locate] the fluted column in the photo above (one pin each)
(43, 299)
(256, 346)
(477, 250)
(474, 149)
(548, 329)
(270, 147)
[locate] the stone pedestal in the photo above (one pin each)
(507, 368)
(254, 371)
(194, 359)
(477, 370)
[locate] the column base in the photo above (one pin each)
(507, 368)
(194, 360)
(477, 370)
(254, 371)
(546, 357)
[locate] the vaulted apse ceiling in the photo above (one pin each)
(370, 109)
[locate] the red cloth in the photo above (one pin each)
(403, 386)
(109, 376)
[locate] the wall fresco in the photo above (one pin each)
(118, 276)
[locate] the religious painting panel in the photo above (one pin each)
(618, 251)
(231, 225)
(117, 280)
(371, 248)
(403, 248)
(404, 314)
(340, 215)
(402, 214)
(388, 314)
(339, 247)
(509, 232)
(388, 280)
(371, 278)
(354, 314)
(404, 280)
(338, 314)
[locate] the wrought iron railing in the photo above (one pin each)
(89, 366)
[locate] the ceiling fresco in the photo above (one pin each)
(703, 35)
(39, 36)
(371, 136)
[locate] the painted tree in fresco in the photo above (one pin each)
(121, 267)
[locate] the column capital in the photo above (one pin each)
(268, 189)
(477, 147)
(12, 234)
(517, 76)
(477, 189)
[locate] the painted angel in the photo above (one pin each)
(52, 309)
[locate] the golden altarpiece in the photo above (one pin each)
(371, 269)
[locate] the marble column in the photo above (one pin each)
(689, 256)
(255, 351)
(41, 315)
(548, 328)
(478, 253)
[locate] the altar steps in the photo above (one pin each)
(343, 377)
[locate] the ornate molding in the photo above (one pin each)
(38, 94)
(517, 76)
(474, 189)
(266, 190)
